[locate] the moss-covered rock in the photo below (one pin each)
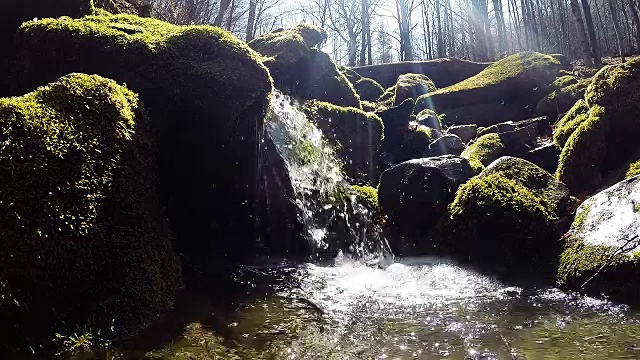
(356, 134)
(429, 118)
(388, 96)
(85, 244)
(584, 153)
(541, 183)
(602, 251)
(568, 90)
(415, 143)
(396, 121)
(207, 94)
(300, 70)
(368, 89)
(483, 151)
(411, 86)
(515, 83)
(563, 129)
(498, 221)
(14, 12)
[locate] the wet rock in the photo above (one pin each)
(603, 246)
(466, 133)
(508, 89)
(429, 118)
(546, 156)
(281, 229)
(415, 143)
(415, 194)
(208, 96)
(448, 144)
(357, 134)
(396, 122)
(411, 86)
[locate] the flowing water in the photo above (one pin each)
(410, 308)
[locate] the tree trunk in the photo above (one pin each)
(405, 34)
(592, 33)
(582, 36)
(253, 4)
(614, 17)
(224, 5)
(636, 21)
(497, 8)
(441, 52)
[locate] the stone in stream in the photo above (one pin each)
(413, 195)
(602, 251)
(506, 217)
(466, 133)
(208, 96)
(508, 89)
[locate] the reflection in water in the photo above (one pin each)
(426, 308)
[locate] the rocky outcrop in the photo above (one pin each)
(85, 243)
(207, 94)
(443, 72)
(414, 195)
(602, 250)
(301, 70)
(411, 86)
(508, 89)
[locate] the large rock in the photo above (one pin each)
(368, 89)
(207, 94)
(443, 72)
(508, 89)
(601, 133)
(85, 244)
(14, 12)
(415, 194)
(504, 217)
(411, 86)
(567, 90)
(466, 133)
(300, 70)
(357, 134)
(396, 122)
(546, 156)
(448, 144)
(602, 249)
(483, 151)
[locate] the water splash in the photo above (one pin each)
(334, 219)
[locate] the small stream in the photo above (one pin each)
(423, 308)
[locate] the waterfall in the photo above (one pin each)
(334, 220)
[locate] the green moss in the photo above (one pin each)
(584, 152)
(495, 219)
(560, 100)
(517, 65)
(483, 151)
(634, 169)
(311, 34)
(564, 81)
(411, 86)
(368, 89)
(84, 241)
(429, 118)
(280, 48)
(568, 124)
(207, 93)
(356, 134)
(366, 194)
(388, 97)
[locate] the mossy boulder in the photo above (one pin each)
(414, 195)
(429, 118)
(483, 151)
(498, 221)
(300, 70)
(568, 90)
(602, 251)
(368, 89)
(396, 121)
(14, 12)
(415, 143)
(508, 89)
(563, 129)
(207, 94)
(85, 244)
(356, 134)
(388, 97)
(411, 86)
